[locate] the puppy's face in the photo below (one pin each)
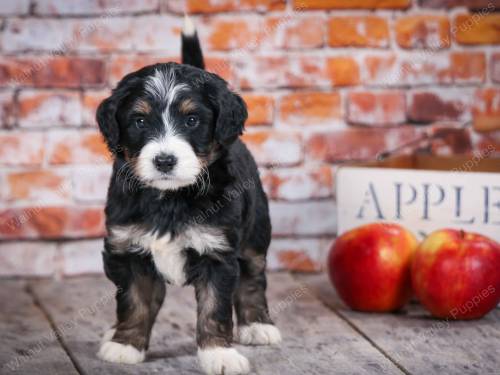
(167, 129)
(169, 121)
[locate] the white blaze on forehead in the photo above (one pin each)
(164, 87)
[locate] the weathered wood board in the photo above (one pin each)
(315, 340)
(28, 344)
(419, 343)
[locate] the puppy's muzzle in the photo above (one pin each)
(165, 162)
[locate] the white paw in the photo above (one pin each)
(115, 352)
(259, 334)
(108, 335)
(223, 361)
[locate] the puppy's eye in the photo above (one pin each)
(140, 122)
(192, 121)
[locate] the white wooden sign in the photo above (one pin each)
(420, 200)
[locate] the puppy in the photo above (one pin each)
(185, 206)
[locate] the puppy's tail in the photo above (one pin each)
(191, 49)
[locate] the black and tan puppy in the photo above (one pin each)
(186, 207)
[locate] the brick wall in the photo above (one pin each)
(326, 81)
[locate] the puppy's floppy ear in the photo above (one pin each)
(231, 113)
(108, 124)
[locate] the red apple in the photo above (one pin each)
(456, 275)
(370, 267)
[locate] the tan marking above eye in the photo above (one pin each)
(187, 106)
(142, 106)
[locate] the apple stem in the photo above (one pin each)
(462, 234)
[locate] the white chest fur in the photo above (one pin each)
(169, 258)
(168, 251)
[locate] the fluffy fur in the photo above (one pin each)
(185, 206)
(259, 334)
(225, 361)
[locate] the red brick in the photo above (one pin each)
(473, 4)
(100, 7)
(7, 108)
(382, 69)
(495, 67)
(150, 33)
(145, 33)
(310, 108)
(260, 109)
(81, 257)
(281, 71)
(90, 184)
(196, 6)
(351, 4)
(34, 34)
(487, 144)
(38, 185)
(47, 71)
(317, 218)
(376, 108)
(21, 148)
(250, 33)
(232, 33)
(468, 67)
(49, 108)
(449, 140)
(423, 31)
(77, 147)
(298, 261)
(409, 69)
(51, 222)
(365, 31)
(90, 102)
(299, 184)
(426, 69)
(486, 110)
(357, 143)
(342, 71)
(298, 254)
(477, 28)
(293, 32)
(220, 66)
(19, 7)
(27, 258)
(438, 105)
(264, 145)
(310, 72)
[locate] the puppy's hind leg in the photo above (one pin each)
(140, 294)
(255, 326)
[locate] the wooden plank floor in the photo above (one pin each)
(27, 341)
(320, 335)
(418, 343)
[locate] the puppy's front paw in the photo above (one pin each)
(259, 334)
(223, 361)
(115, 352)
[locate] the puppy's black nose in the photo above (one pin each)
(165, 162)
